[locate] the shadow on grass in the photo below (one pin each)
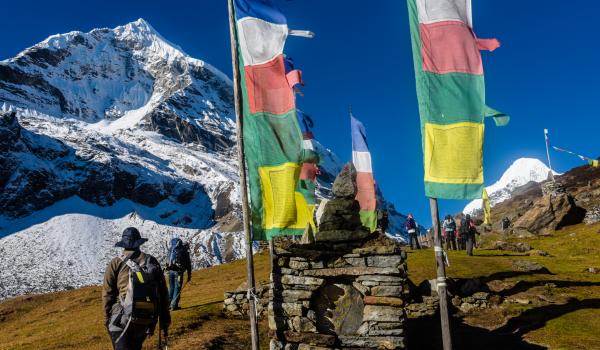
(425, 332)
(523, 286)
(536, 318)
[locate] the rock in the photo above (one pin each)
(528, 266)
(340, 214)
(382, 313)
(537, 252)
(303, 324)
(512, 247)
(341, 235)
(385, 261)
(481, 296)
(344, 185)
(339, 308)
(552, 188)
(351, 271)
(592, 216)
(298, 265)
(285, 309)
(386, 301)
(357, 262)
(275, 345)
(551, 212)
(382, 278)
(290, 295)
(309, 281)
(466, 307)
(373, 342)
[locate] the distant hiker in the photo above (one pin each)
(383, 220)
(411, 228)
(134, 294)
(505, 223)
(468, 231)
(178, 262)
(449, 229)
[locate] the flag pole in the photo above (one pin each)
(243, 186)
(548, 154)
(441, 274)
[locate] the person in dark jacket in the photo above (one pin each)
(178, 262)
(468, 231)
(411, 227)
(449, 227)
(114, 290)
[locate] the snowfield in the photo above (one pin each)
(521, 172)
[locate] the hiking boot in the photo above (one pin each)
(173, 308)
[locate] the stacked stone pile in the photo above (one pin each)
(592, 216)
(235, 303)
(344, 288)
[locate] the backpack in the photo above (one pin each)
(141, 302)
(464, 226)
(177, 254)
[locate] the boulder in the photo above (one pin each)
(512, 247)
(528, 266)
(344, 185)
(551, 212)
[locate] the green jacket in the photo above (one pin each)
(116, 279)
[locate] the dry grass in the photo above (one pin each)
(73, 319)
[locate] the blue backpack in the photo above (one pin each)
(176, 257)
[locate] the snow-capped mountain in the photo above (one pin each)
(521, 172)
(109, 129)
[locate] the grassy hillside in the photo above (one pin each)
(563, 311)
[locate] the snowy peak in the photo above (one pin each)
(521, 172)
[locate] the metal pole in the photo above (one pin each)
(548, 154)
(441, 274)
(243, 185)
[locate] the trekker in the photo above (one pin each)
(134, 294)
(411, 228)
(383, 220)
(505, 223)
(449, 229)
(468, 230)
(178, 262)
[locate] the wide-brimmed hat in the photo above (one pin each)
(131, 239)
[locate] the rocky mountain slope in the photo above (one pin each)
(108, 129)
(521, 172)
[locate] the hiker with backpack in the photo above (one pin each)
(178, 262)
(411, 227)
(449, 227)
(134, 295)
(468, 231)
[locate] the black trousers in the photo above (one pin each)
(133, 339)
(415, 239)
(470, 244)
(450, 242)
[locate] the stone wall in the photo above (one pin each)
(338, 295)
(235, 303)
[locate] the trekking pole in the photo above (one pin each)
(180, 290)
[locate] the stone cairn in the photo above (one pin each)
(343, 288)
(235, 303)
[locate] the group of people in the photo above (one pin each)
(135, 294)
(459, 237)
(455, 237)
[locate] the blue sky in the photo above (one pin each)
(545, 75)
